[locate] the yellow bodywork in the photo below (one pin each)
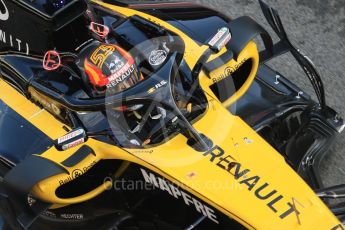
(238, 194)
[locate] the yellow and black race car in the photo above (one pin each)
(159, 115)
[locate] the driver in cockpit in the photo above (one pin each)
(110, 70)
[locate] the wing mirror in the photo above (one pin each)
(101, 30)
(73, 138)
(220, 40)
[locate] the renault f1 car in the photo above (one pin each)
(209, 137)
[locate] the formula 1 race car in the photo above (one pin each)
(157, 115)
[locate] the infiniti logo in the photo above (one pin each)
(3, 11)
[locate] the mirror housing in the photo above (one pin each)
(100, 30)
(74, 138)
(220, 40)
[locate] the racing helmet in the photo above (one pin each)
(110, 68)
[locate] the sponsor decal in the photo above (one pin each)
(157, 57)
(228, 71)
(157, 86)
(176, 192)
(224, 42)
(4, 14)
(70, 136)
(49, 214)
(73, 144)
(161, 84)
(143, 151)
(45, 102)
(121, 75)
(68, 216)
(101, 54)
(77, 173)
(14, 42)
(261, 189)
(115, 64)
(72, 216)
(9, 39)
(122, 71)
(221, 39)
(216, 38)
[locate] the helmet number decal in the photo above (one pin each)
(99, 56)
